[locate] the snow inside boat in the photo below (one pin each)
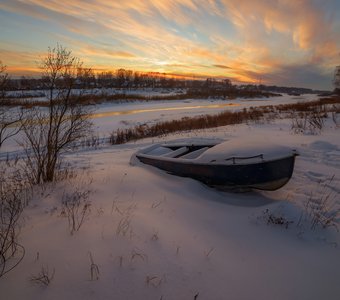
(233, 164)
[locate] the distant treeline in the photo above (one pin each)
(129, 79)
(121, 79)
(289, 90)
(91, 88)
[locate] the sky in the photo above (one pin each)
(281, 42)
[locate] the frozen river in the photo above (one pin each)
(110, 116)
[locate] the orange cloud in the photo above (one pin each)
(97, 51)
(252, 38)
(24, 71)
(19, 58)
(304, 22)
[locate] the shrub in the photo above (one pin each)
(76, 207)
(14, 195)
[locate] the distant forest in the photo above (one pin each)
(129, 79)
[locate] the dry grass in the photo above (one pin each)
(43, 278)
(308, 106)
(275, 218)
(154, 280)
(321, 208)
(314, 112)
(311, 121)
(76, 206)
(124, 227)
(94, 269)
(201, 122)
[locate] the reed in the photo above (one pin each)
(121, 136)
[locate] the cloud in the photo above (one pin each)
(304, 22)
(103, 52)
(241, 39)
(221, 66)
(18, 57)
(305, 75)
(71, 21)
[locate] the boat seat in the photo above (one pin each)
(159, 151)
(176, 152)
(195, 154)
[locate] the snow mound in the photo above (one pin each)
(323, 145)
(246, 147)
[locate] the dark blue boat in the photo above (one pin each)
(216, 164)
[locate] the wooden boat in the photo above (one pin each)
(226, 165)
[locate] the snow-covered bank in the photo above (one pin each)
(157, 236)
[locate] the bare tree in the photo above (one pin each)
(9, 118)
(105, 79)
(10, 122)
(86, 78)
(336, 80)
(49, 133)
(120, 77)
(3, 80)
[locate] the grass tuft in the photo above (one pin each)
(43, 278)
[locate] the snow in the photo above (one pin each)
(157, 150)
(254, 148)
(109, 116)
(251, 147)
(157, 236)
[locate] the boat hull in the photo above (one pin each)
(264, 175)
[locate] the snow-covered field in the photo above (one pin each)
(151, 235)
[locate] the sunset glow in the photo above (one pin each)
(282, 42)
